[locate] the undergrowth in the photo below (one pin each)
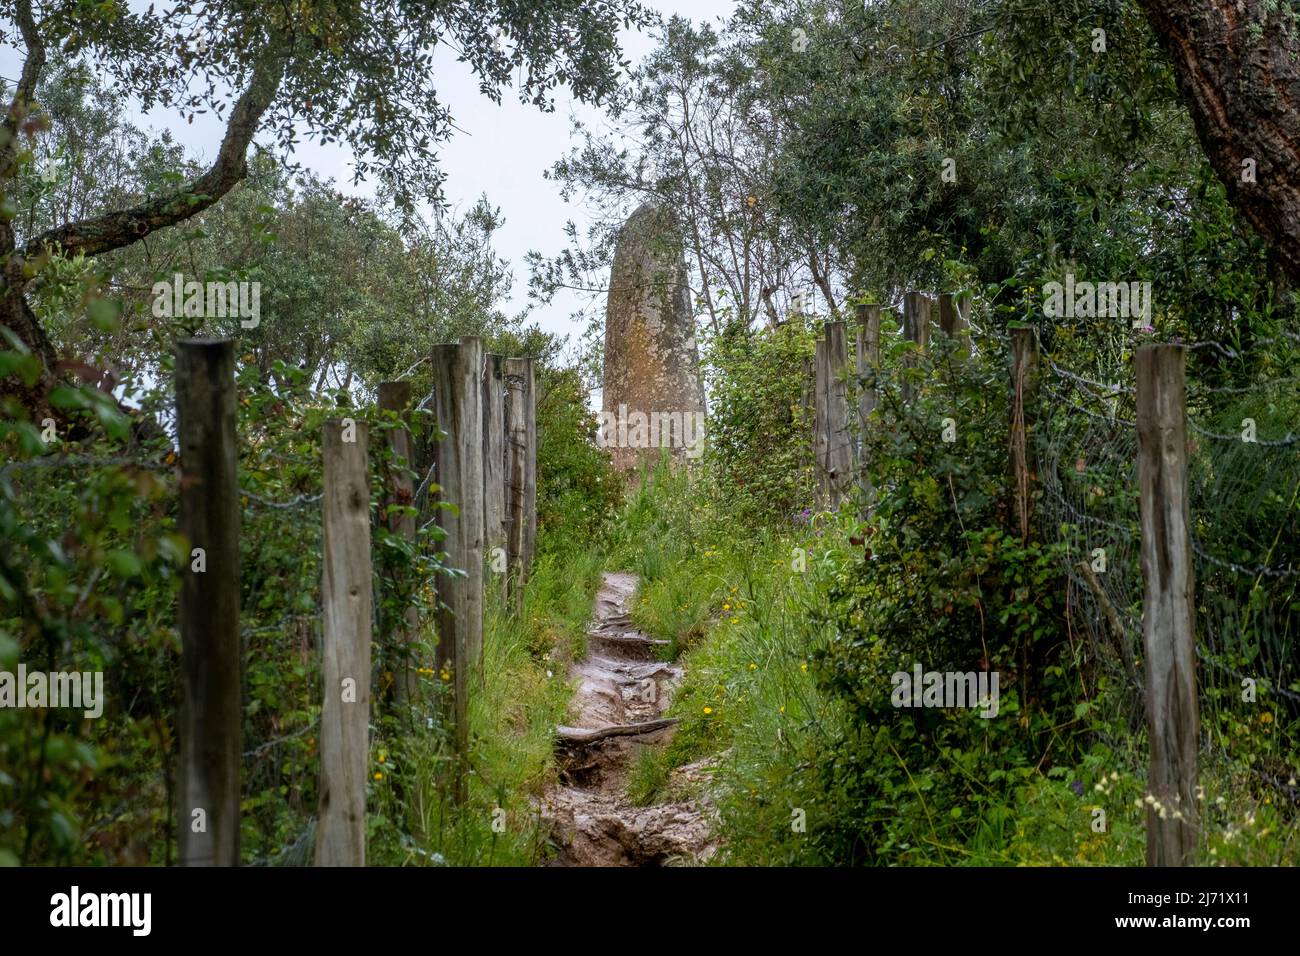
(799, 779)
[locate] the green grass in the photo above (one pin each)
(523, 695)
(741, 617)
(740, 607)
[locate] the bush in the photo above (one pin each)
(578, 491)
(759, 455)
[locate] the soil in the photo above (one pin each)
(621, 683)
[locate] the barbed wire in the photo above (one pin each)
(300, 501)
(1243, 486)
(1110, 419)
(1199, 390)
(1255, 571)
(1290, 439)
(1268, 686)
(80, 461)
(1112, 387)
(277, 741)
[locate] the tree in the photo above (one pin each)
(360, 74)
(704, 147)
(1238, 68)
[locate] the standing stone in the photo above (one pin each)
(653, 397)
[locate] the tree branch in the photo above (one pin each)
(32, 67)
(123, 227)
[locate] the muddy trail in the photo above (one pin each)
(620, 694)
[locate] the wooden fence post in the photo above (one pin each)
(494, 464)
(867, 349)
(821, 425)
(954, 320)
(1024, 386)
(1168, 609)
(916, 328)
(396, 397)
(457, 406)
(521, 475)
(211, 705)
(347, 606)
(833, 439)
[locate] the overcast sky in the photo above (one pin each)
(502, 151)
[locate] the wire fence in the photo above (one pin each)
(280, 604)
(1243, 486)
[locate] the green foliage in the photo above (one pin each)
(578, 491)
(758, 459)
(88, 578)
(788, 702)
(342, 73)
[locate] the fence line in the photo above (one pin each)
(1089, 441)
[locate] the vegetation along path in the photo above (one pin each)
(621, 693)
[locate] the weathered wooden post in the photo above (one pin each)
(210, 722)
(458, 463)
(833, 439)
(1168, 612)
(954, 320)
(521, 478)
(867, 349)
(916, 329)
(1024, 386)
(821, 425)
(396, 397)
(494, 464)
(347, 606)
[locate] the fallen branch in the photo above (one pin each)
(1115, 629)
(582, 735)
(631, 638)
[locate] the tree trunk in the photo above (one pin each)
(17, 316)
(1238, 67)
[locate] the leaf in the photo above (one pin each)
(105, 314)
(26, 366)
(124, 564)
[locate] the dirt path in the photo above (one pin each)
(620, 685)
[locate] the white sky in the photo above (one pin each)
(502, 151)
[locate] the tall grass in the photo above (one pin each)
(743, 607)
(520, 695)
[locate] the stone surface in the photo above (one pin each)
(652, 364)
(592, 819)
